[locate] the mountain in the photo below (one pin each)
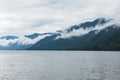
(21, 42)
(89, 24)
(12, 43)
(35, 35)
(8, 37)
(32, 36)
(98, 36)
(15, 46)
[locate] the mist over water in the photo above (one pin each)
(59, 65)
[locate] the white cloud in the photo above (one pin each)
(28, 16)
(82, 31)
(21, 41)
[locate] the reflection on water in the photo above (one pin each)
(62, 65)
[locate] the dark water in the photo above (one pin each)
(62, 65)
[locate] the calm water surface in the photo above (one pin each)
(59, 65)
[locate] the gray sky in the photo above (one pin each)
(29, 16)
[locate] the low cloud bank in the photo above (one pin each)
(22, 40)
(82, 31)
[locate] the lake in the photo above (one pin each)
(59, 65)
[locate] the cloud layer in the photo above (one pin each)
(29, 16)
(20, 41)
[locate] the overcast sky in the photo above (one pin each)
(29, 16)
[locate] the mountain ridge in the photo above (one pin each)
(94, 40)
(99, 34)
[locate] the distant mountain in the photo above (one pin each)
(104, 37)
(12, 43)
(99, 34)
(15, 46)
(21, 42)
(8, 37)
(98, 21)
(35, 35)
(32, 36)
